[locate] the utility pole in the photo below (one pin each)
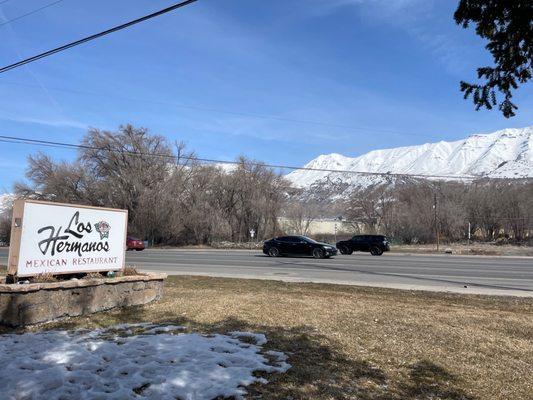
(337, 218)
(436, 218)
(469, 228)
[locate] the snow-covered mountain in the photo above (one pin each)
(6, 202)
(504, 154)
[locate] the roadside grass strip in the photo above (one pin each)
(343, 342)
(134, 361)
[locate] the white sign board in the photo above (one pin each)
(64, 238)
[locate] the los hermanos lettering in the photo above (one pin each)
(57, 240)
(60, 238)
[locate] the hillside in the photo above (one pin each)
(503, 154)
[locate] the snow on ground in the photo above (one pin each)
(138, 361)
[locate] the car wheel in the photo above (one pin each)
(139, 249)
(318, 253)
(273, 252)
(345, 250)
(376, 251)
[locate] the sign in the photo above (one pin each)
(252, 233)
(65, 238)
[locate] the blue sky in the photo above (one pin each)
(370, 73)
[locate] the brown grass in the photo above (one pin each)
(487, 249)
(130, 271)
(358, 343)
(93, 275)
(45, 277)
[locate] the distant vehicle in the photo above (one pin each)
(134, 244)
(298, 246)
(375, 244)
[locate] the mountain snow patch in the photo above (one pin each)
(139, 361)
(503, 154)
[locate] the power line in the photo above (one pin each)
(229, 112)
(30, 13)
(48, 143)
(96, 36)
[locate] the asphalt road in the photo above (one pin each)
(465, 274)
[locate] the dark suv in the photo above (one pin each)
(375, 244)
(298, 246)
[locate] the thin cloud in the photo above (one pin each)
(53, 122)
(419, 19)
(16, 48)
(386, 7)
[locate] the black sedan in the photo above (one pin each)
(298, 246)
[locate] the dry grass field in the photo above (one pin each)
(485, 249)
(357, 343)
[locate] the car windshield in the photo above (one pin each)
(306, 239)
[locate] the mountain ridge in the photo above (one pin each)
(507, 153)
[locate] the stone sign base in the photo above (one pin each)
(41, 302)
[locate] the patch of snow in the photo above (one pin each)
(259, 338)
(153, 363)
(165, 328)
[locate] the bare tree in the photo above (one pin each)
(5, 227)
(299, 217)
(372, 209)
(170, 196)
